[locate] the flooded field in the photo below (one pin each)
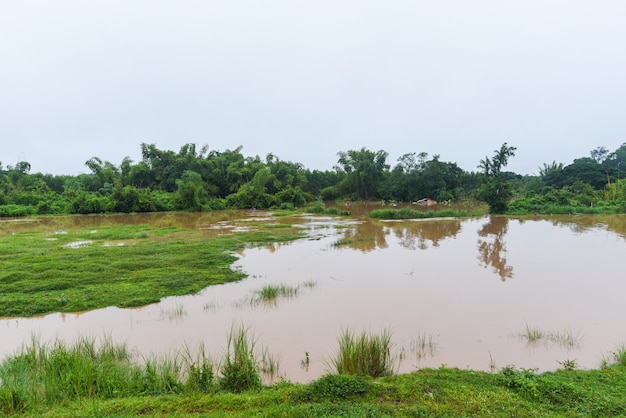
(479, 293)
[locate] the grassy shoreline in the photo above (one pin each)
(97, 379)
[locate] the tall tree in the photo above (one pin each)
(365, 171)
(599, 154)
(495, 191)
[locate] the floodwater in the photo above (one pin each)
(453, 292)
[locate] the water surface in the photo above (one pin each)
(469, 287)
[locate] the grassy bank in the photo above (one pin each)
(128, 265)
(89, 382)
(408, 213)
(97, 379)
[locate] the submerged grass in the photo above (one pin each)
(352, 241)
(39, 274)
(565, 339)
(271, 291)
(269, 294)
(423, 345)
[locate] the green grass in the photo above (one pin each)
(270, 291)
(97, 378)
(320, 208)
(565, 339)
(352, 241)
(533, 334)
(240, 369)
(269, 294)
(408, 213)
(423, 345)
(39, 274)
(365, 354)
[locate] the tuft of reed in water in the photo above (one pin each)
(270, 291)
(177, 312)
(532, 334)
(240, 371)
(269, 364)
(365, 354)
(423, 345)
(269, 294)
(565, 339)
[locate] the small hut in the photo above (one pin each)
(425, 202)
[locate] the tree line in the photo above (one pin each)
(197, 179)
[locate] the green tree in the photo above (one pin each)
(599, 154)
(495, 190)
(583, 169)
(190, 194)
(617, 159)
(365, 171)
(550, 169)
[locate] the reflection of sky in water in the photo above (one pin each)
(473, 286)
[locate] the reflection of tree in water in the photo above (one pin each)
(580, 224)
(492, 248)
(417, 234)
(365, 236)
(368, 236)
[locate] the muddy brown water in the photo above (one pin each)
(453, 292)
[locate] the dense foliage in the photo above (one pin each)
(198, 180)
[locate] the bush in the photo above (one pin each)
(17, 210)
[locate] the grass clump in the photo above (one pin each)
(565, 339)
(319, 207)
(240, 369)
(57, 373)
(408, 213)
(364, 354)
(352, 241)
(533, 334)
(423, 345)
(271, 292)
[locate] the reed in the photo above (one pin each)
(565, 339)
(240, 368)
(270, 291)
(364, 354)
(533, 334)
(269, 364)
(175, 313)
(423, 345)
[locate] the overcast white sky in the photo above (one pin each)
(306, 79)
